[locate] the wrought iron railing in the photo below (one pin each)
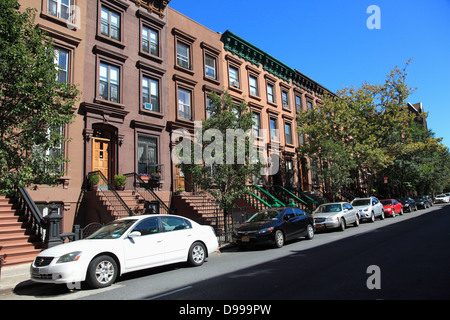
(32, 217)
(112, 197)
(145, 191)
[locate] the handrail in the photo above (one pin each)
(137, 181)
(277, 201)
(118, 205)
(291, 194)
(31, 206)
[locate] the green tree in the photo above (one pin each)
(226, 180)
(34, 106)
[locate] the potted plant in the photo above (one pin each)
(179, 191)
(155, 175)
(120, 180)
(93, 181)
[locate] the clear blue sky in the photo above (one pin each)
(329, 41)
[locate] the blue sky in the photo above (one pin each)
(329, 41)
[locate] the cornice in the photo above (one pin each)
(248, 52)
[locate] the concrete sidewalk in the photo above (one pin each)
(13, 276)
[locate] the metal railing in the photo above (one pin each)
(144, 190)
(112, 197)
(33, 218)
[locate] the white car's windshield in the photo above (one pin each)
(266, 215)
(362, 202)
(329, 208)
(112, 230)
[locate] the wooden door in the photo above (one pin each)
(101, 156)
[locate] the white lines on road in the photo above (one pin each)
(168, 293)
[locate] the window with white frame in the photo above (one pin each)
(273, 129)
(210, 67)
(60, 8)
(184, 104)
(183, 58)
(270, 93)
(110, 24)
(298, 103)
(109, 84)
(285, 99)
(288, 132)
(256, 124)
(234, 76)
(150, 94)
(150, 41)
(253, 84)
(62, 64)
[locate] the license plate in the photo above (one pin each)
(245, 239)
(319, 226)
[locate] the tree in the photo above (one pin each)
(227, 164)
(359, 129)
(34, 105)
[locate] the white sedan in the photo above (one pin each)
(125, 245)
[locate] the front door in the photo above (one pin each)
(100, 156)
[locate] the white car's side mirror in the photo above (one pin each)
(134, 234)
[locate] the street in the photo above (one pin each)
(406, 257)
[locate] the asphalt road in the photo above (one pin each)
(410, 255)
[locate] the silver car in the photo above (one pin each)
(368, 208)
(335, 215)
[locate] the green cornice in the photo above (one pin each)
(256, 56)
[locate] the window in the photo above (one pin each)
(253, 83)
(147, 226)
(301, 137)
(273, 129)
(62, 64)
(59, 8)
(109, 82)
(208, 107)
(147, 154)
(174, 224)
(110, 24)
(48, 156)
(256, 124)
(234, 77)
(285, 99)
(309, 104)
(298, 103)
(210, 67)
(150, 94)
(183, 55)
(288, 133)
(184, 104)
(270, 96)
(150, 41)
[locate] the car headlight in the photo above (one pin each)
(332, 219)
(266, 230)
(73, 256)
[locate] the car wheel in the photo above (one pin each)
(372, 217)
(401, 211)
(279, 238)
(356, 223)
(309, 232)
(102, 272)
(382, 215)
(197, 254)
(342, 224)
(393, 213)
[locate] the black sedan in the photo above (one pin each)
(422, 202)
(274, 225)
(408, 204)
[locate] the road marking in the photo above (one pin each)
(168, 293)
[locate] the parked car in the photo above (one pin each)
(392, 207)
(125, 245)
(408, 204)
(368, 208)
(422, 202)
(430, 201)
(274, 226)
(335, 215)
(442, 198)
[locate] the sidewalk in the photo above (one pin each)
(12, 276)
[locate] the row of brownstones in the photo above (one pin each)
(145, 70)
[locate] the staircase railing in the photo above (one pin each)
(287, 196)
(136, 183)
(260, 199)
(110, 194)
(33, 217)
